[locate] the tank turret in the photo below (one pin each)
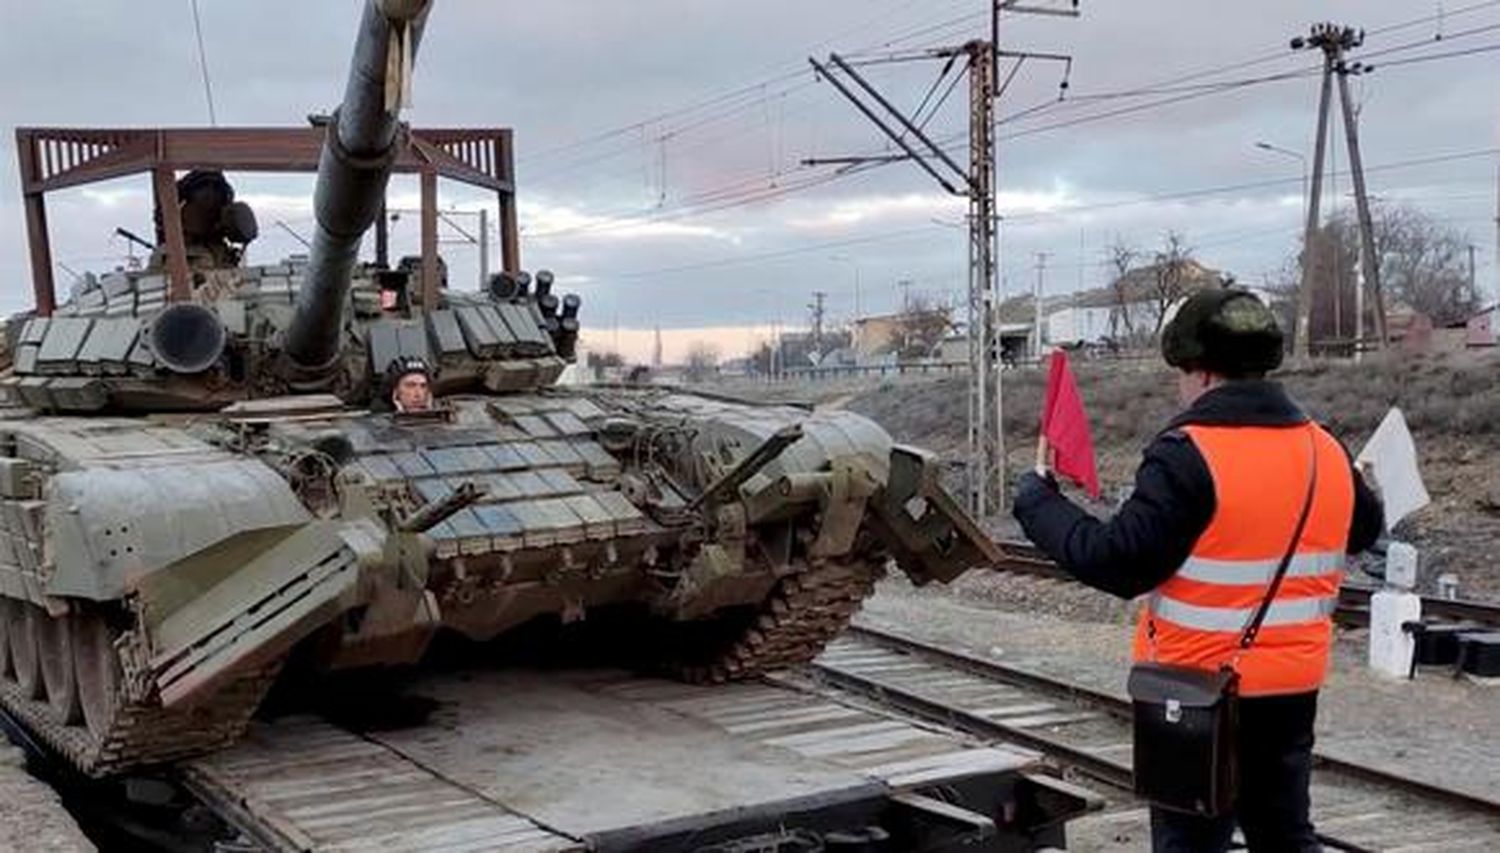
(362, 142)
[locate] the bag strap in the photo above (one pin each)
(1253, 628)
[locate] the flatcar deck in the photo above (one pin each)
(601, 760)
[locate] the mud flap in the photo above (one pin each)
(928, 533)
(239, 605)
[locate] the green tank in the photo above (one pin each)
(202, 472)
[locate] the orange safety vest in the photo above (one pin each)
(1260, 477)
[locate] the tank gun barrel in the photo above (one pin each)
(362, 143)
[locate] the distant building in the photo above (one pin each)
(1126, 313)
(737, 367)
(799, 349)
(879, 338)
(1483, 329)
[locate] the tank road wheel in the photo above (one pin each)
(7, 613)
(97, 665)
(25, 654)
(56, 645)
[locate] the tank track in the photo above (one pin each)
(143, 734)
(804, 613)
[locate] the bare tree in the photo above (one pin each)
(1334, 256)
(1121, 257)
(603, 360)
(1169, 276)
(702, 361)
(920, 327)
(763, 358)
(1422, 265)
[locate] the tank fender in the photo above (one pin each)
(243, 603)
(108, 526)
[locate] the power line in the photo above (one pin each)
(748, 97)
(208, 89)
(1043, 215)
(730, 95)
(730, 196)
(1444, 55)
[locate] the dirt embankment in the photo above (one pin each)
(1452, 403)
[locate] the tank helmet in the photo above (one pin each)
(404, 366)
(1227, 331)
(199, 179)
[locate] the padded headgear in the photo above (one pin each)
(1227, 331)
(405, 366)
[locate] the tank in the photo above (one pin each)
(208, 468)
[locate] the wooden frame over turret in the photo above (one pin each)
(58, 158)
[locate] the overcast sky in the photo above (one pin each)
(660, 141)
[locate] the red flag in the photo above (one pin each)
(1066, 426)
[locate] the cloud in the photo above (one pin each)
(600, 139)
(637, 344)
(541, 221)
(871, 209)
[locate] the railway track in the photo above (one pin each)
(1354, 598)
(1087, 732)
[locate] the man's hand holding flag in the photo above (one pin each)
(1064, 444)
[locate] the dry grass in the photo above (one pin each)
(1451, 402)
(1442, 397)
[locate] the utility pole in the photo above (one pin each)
(989, 462)
(1368, 262)
(1333, 41)
(1473, 282)
(484, 248)
(1315, 197)
(1041, 271)
(986, 447)
(817, 323)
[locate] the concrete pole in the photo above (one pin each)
(981, 266)
(484, 248)
(1368, 261)
(1473, 282)
(1314, 199)
(1036, 332)
(1359, 309)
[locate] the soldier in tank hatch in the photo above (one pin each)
(411, 386)
(215, 228)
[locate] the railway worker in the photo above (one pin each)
(1217, 497)
(411, 385)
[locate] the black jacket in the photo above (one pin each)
(1155, 529)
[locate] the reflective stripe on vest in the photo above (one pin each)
(1236, 572)
(1196, 616)
(1294, 611)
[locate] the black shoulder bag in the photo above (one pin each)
(1186, 719)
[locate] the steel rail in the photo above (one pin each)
(1120, 707)
(1354, 598)
(1111, 772)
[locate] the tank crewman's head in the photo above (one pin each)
(411, 385)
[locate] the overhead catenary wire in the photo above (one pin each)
(208, 88)
(769, 186)
(732, 197)
(794, 71)
(1200, 192)
(749, 91)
